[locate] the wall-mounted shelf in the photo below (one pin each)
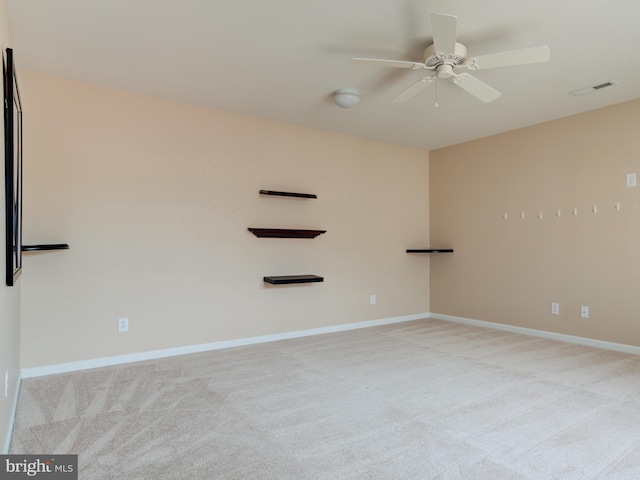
(45, 247)
(285, 233)
(430, 250)
(289, 279)
(288, 194)
(288, 233)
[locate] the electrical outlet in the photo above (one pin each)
(631, 179)
(123, 325)
(584, 311)
(555, 308)
(373, 299)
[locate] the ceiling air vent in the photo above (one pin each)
(593, 88)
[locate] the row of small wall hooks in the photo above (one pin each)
(558, 213)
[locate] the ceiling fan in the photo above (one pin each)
(445, 56)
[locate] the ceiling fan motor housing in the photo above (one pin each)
(435, 59)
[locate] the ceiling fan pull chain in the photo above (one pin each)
(436, 82)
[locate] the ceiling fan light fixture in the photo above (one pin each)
(346, 97)
(445, 71)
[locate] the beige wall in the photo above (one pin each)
(155, 198)
(9, 298)
(509, 271)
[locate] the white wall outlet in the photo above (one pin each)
(584, 311)
(631, 179)
(555, 308)
(373, 299)
(123, 325)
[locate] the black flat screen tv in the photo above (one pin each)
(12, 170)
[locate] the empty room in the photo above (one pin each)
(320, 240)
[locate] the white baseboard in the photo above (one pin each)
(589, 342)
(205, 347)
(12, 419)
(170, 352)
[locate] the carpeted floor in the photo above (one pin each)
(418, 400)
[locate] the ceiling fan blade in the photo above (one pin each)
(386, 63)
(512, 57)
(476, 87)
(444, 32)
(413, 90)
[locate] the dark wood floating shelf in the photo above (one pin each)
(287, 279)
(285, 233)
(431, 250)
(288, 194)
(44, 247)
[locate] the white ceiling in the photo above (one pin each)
(282, 59)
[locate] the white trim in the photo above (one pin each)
(12, 418)
(205, 347)
(589, 342)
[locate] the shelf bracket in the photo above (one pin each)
(45, 247)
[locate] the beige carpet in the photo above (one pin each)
(418, 400)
